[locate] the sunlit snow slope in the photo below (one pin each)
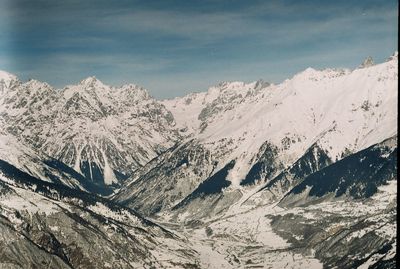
(244, 135)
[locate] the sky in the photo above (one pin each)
(175, 47)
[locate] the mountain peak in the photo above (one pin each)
(7, 78)
(91, 81)
(259, 84)
(394, 56)
(134, 91)
(306, 73)
(367, 62)
(37, 84)
(4, 74)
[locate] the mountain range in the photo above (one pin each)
(244, 175)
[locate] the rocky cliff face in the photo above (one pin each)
(102, 132)
(52, 226)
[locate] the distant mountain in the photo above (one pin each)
(102, 132)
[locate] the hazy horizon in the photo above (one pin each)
(174, 48)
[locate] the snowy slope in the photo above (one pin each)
(42, 166)
(341, 109)
(335, 112)
(43, 225)
(191, 110)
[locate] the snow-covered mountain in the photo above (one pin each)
(245, 135)
(245, 175)
(102, 132)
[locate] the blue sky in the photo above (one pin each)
(175, 47)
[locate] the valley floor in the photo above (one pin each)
(328, 234)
